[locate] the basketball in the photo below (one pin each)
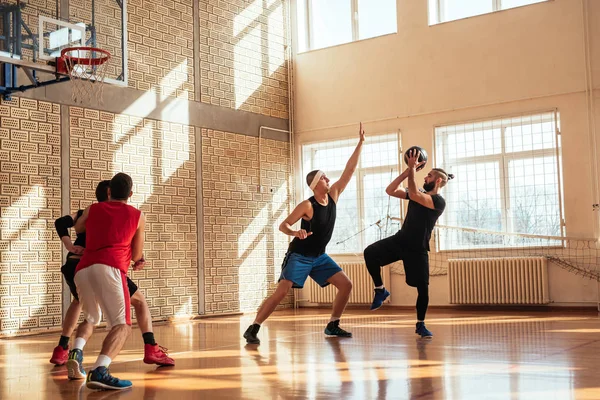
(422, 156)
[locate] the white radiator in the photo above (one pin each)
(362, 285)
(498, 281)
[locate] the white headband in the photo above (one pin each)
(316, 180)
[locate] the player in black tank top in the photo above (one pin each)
(306, 254)
(321, 225)
(411, 243)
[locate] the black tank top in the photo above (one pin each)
(321, 225)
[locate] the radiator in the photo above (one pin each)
(498, 281)
(362, 285)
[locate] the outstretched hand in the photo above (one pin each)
(413, 159)
(361, 133)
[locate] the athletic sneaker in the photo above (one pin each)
(379, 298)
(250, 334)
(155, 354)
(60, 355)
(100, 378)
(75, 365)
(421, 330)
(333, 330)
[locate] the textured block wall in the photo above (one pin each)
(243, 248)
(242, 66)
(161, 47)
(30, 200)
(160, 158)
(242, 56)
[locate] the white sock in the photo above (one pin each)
(255, 323)
(332, 319)
(102, 361)
(79, 343)
(420, 321)
(379, 287)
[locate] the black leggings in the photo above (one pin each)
(416, 268)
(422, 301)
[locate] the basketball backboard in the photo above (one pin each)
(33, 33)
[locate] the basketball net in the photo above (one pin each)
(87, 68)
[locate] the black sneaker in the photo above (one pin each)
(333, 330)
(250, 334)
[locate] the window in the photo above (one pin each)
(508, 177)
(364, 206)
(450, 10)
(325, 23)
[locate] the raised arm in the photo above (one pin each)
(301, 210)
(394, 189)
(413, 192)
(338, 187)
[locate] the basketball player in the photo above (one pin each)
(114, 238)
(306, 254)
(153, 353)
(411, 243)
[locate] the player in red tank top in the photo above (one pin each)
(110, 227)
(114, 238)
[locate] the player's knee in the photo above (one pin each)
(369, 252)
(123, 329)
(345, 285)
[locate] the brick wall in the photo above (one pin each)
(160, 47)
(160, 158)
(242, 67)
(243, 248)
(30, 200)
(242, 56)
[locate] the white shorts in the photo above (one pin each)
(103, 289)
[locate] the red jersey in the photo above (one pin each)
(110, 227)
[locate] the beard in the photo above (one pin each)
(429, 186)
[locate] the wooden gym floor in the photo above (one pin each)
(473, 355)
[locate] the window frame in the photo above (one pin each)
(496, 6)
(359, 175)
(503, 159)
(355, 19)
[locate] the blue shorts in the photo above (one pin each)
(297, 268)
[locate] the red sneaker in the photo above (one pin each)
(60, 355)
(157, 355)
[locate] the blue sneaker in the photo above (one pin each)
(101, 379)
(421, 330)
(75, 365)
(379, 298)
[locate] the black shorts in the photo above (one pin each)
(416, 261)
(68, 271)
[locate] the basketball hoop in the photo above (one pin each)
(87, 67)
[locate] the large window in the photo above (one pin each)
(450, 10)
(364, 207)
(508, 177)
(325, 23)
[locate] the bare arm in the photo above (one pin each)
(137, 243)
(80, 223)
(338, 187)
(394, 189)
(414, 193)
(300, 211)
